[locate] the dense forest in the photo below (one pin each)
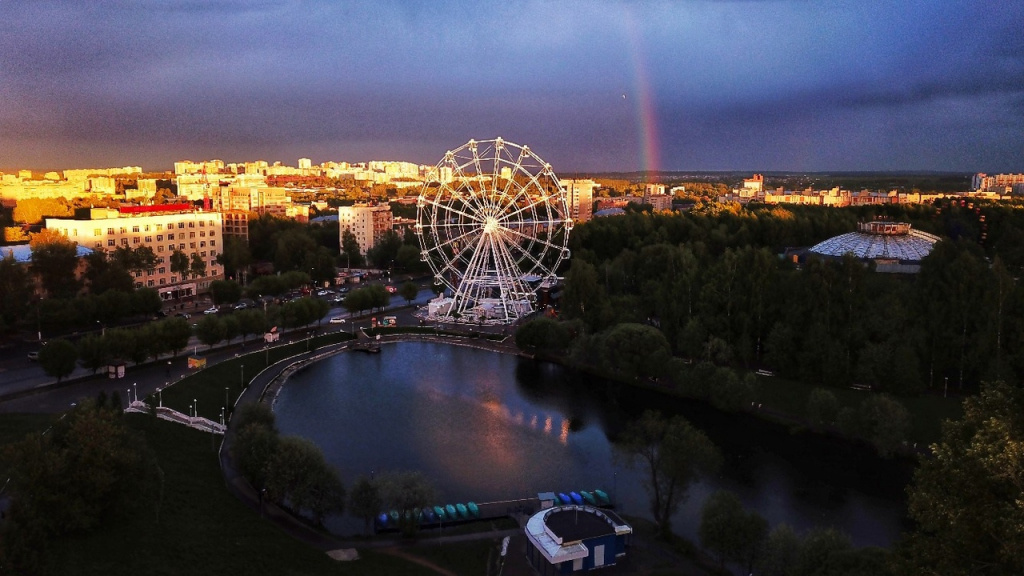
(714, 281)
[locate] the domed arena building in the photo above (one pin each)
(893, 246)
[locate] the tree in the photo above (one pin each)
(822, 408)
(54, 259)
(179, 263)
(197, 266)
(92, 352)
(405, 491)
(15, 290)
(966, 496)
(210, 330)
(174, 334)
(225, 291)
(545, 334)
(364, 501)
(636, 350)
(253, 451)
(729, 531)
(58, 358)
(408, 291)
(884, 423)
(384, 252)
(350, 249)
(673, 455)
(780, 551)
(235, 257)
(70, 479)
(821, 552)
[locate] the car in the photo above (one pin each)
(211, 310)
(337, 299)
(325, 292)
(184, 315)
(391, 289)
(33, 355)
(241, 306)
(337, 320)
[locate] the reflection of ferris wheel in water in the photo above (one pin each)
(493, 224)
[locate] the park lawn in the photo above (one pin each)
(199, 527)
(207, 387)
(927, 411)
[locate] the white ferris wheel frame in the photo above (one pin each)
(493, 223)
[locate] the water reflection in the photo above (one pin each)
(488, 427)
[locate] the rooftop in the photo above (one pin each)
(880, 240)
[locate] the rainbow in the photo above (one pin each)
(647, 121)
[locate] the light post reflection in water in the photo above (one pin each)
(487, 427)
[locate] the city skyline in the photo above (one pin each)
(589, 86)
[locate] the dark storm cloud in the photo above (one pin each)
(741, 85)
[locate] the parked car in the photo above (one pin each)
(211, 310)
(241, 306)
(33, 355)
(184, 315)
(337, 320)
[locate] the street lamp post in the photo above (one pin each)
(135, 388)
(225, 396)
(196, 404)
(160, 394)
(128, 394)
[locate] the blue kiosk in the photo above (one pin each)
(574, 538)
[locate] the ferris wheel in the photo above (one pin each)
(493, 224)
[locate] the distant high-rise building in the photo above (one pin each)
(305, 163)
(986, 183)
(367, 223)
(580, 195)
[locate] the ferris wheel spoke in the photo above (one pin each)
(446, 207)
(543, 200)
(533, 240)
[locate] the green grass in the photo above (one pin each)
(473, 557)
(206, 387)
(199, 528)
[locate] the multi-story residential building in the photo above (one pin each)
(367, 223)
(165, 229)
(1002, 182)
(580, 194)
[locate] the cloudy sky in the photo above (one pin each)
(589, 85)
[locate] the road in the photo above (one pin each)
(24, 387)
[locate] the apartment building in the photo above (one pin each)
(580, 195)
(367, 223)
(163, 228)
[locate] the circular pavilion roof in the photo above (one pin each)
(880, 240)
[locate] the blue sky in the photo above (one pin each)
(598, 85)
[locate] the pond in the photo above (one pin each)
(487, 427)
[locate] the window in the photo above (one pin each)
(203, 253)
(111, 242)
(213, 242)
(202, 244)
(110, 230)
(159, 248)
(170, 236)
(181, 246)
(203, 223)
(163, 281)
(138, 274)
(211, 233)
(149, 283)
(161, 270)
(202, 234)
(181, 224)
(174, 279)
(149, 239)
(136, 240)
(135, 229)
(97, 231)
(149, 272)
(147, 227)
(191, 224)
(191, 244)
(124, 230)
(99, 244)
(159, 227)
(124, 241)
(160, 238)
(191, 234)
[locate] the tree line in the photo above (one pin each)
(713, 283)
